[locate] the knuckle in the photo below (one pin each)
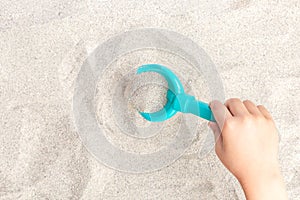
(232, 100)
(260, 106)
(246, 120)
(247, 101)
(228, 124)
(260, 118)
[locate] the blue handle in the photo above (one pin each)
(200, 109)
(188, 104)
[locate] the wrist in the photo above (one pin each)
(268, 185)
(260, 177)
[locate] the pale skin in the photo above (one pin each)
(247, 144)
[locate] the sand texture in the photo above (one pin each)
(255, 46)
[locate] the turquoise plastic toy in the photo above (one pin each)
(177, 99)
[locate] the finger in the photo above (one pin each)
(218, 138)
(251, 107)
(220, 112)
(264, 112)
(219, 147)
(215, 128)
(236, 107)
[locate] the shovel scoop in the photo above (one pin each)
(177, 99)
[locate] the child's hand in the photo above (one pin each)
(248, 147)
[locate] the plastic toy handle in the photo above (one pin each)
(188, 104)
(200, 109)
(204, 111)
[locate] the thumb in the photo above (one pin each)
(218, 138)
(215, 128)
(220, 112)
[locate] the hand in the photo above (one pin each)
(247, 144)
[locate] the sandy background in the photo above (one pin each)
(255, 46)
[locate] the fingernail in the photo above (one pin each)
(209, 124)
(211, 104)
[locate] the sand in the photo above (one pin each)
(253, 44)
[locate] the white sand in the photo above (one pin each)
(255, 46)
